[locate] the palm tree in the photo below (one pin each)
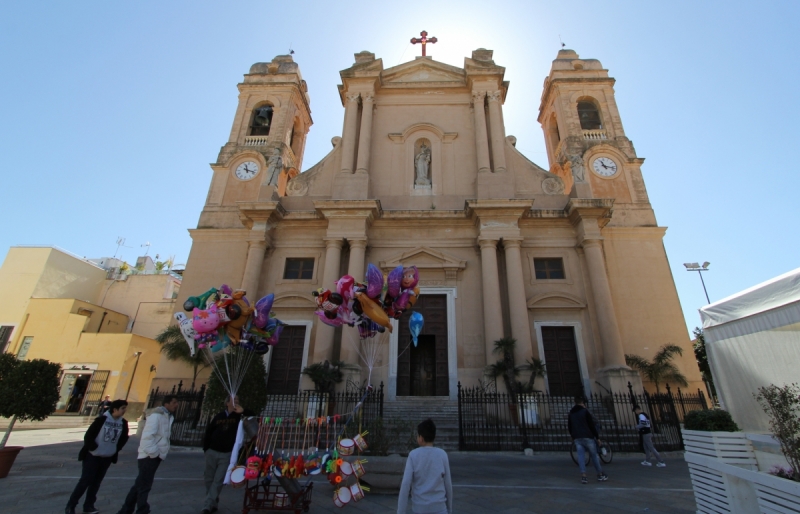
(661, 368)
(505, 367)
(536, 368)
(174, 347)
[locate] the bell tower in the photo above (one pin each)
(267, 140)
(585, 140)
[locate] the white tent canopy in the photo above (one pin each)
(753, 340)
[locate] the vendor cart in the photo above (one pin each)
(289, 496)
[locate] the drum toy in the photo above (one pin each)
(346, 468)
(347, 447)
(358, 468)
(356, 492)
(237, 477)
(360, 442)
(281, 500)
(342, 496)
(335, 478)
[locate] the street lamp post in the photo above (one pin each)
(693, 266)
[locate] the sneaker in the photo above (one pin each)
(90, 511)
(661, 465)
(584, 480)
(602, 477)
(69, 510)
(646, 463)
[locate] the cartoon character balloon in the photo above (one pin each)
(415, 323)
(187, 330)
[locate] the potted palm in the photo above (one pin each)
(529, 409)
(506, 369)
(325, 376)
(28, 391)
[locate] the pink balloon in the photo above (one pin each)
(344, 286)
(335, 322)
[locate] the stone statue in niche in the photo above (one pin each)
(422, 165)
(274, 167)
(576, 165)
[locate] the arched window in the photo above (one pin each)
(262, 120)
(589, 116)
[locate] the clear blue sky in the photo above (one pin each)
(111, 111)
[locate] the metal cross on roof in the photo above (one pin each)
(424, 40)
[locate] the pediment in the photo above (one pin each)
(556, 300)
(424, 258)
(293, 300)
(423, 72)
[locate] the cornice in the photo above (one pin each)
(369, 209)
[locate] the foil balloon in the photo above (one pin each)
(367, 329)
(373, 311)
(393, 281)
(201, 301)
(276, 335)
(187, 330)
(415, 326)
(374, 279)
(263, 306)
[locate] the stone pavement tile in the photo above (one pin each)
(43, 477)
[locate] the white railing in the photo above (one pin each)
(594, 134)
(255, 140)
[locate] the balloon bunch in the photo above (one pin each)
(378, 300)
(224, 324)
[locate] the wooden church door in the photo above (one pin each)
(423, 370)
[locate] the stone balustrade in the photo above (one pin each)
(594, 134)
(255, 140)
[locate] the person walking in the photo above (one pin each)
(427, 476)
(645, 433)
(583, 431)
(153, 448)
(218, 443)
(104, 406)
(102, 442)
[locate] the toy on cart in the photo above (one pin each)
(291, 497)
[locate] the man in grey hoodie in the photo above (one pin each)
(102, 442)
(153, 448)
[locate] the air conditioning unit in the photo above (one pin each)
(112, 274)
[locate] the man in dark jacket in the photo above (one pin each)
(584, 432)
(218, 444)
(102, 442)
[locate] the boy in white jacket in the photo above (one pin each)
(153, 448)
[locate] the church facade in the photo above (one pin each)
(568, 259)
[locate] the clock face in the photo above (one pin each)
(604, 167)
(247, 170)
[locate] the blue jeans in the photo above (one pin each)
(584, 444)
(92, 474)
(137, 496)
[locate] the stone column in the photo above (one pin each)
(323, 343)
(349, 132)
(355, 269)
(252, 268)
(365, 137)
(613, 353)
(498, 132)
(481, 139)
(492, 311)
(517, 301)
(358, 249)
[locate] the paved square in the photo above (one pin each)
(43, 477)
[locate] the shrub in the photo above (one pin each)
(715, 420)
(28, 390)
(782, 404)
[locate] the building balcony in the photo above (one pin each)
(595, 134)
(256, 140)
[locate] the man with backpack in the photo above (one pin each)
(583, 431)
(645, 433)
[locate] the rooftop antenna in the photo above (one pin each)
(147, 244)
(562, 41)
(120, 242)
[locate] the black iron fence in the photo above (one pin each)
(491, 421)
(190, 422)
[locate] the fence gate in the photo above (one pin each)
(94, 393)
